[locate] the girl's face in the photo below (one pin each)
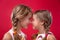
(25, 21)
(36, 22)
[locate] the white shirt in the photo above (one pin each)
(40, 36)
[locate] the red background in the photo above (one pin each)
(51, 5)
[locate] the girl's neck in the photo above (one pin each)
(42, 30)
(18, 29)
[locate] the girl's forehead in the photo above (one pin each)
(34, 16)
(30, 15)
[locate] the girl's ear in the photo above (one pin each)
(41, 22)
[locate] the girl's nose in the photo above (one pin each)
(30, 21)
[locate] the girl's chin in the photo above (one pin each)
(25, 26)
(34, 27)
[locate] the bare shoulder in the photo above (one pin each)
(7, 36)
(51, 37)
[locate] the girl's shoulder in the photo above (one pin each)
(7, 36)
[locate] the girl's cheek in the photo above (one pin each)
(27, 21)
(35, 23)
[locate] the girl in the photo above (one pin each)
(42, 20)
(20, 19)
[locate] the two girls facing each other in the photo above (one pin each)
(20, 17)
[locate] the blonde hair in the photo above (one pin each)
(18, 13)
